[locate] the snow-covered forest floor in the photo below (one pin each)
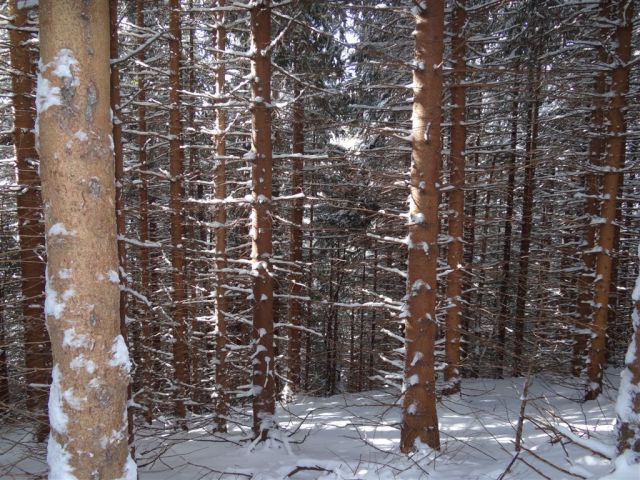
(356, 436)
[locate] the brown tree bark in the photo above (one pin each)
(531, 147)
(146, 359)
(611, 181)
(261, 221)
(222, 382)
(176, 170)
(30, 226)
(88, 396)
(296, 276)
(591, 187)
(120, 205)
(455, 252)
(419, 417)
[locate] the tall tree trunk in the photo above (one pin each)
(505, 283)
(261, 221)
(176, 161)
(146, 366)
(591, 187)
(469, 340)
(222, 404)
(30, 226)
(455, 251)
(519, 363)
(88, 396)
(419, 417)
(296, 277)
(120, 205)
(610, 188)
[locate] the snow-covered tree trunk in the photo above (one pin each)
(420, 420)
(456, 203)
(176, 169)
(611, 183)
(88, 397)
(261, 221)
(222, 378)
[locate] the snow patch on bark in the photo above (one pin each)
(81, 362)
(120, 354)
(57, 418)
(58, 461)
(74, 340)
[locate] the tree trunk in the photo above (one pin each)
(296, 277)
(591, 187)
(505, 284)
(527, 217)
(222, 404)
(176, 160)
(610, 188)
(261, 222)
(455, 251)
(88, 396)
(147, 365)
(120, 205)
(420, 421)
(30, 226)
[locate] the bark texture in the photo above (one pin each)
(611, 182)
(222, 404)
(88, 396)
(455, 252)
(419, 420)
(146, 359)
(176, 166)
(261, 222)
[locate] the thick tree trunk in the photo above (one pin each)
(610, 189)
(176, 161)
(222, 382)
(519, 363)
(296, 276)
(146, 365)
(420, 421)
(261, 222)
(88, 396)
(455, 251)
(30, 226)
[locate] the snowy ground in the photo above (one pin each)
(356, 436)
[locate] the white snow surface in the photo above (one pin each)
(356, 436)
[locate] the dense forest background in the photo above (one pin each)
(537, 184)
